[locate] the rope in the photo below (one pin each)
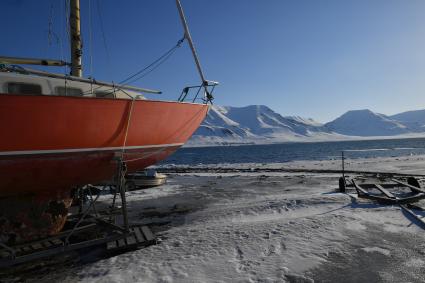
(50, 26)
(67, 14)
(91, 42)
(155, 64)
(151, 67)
(62, 33)
(52, 37)
(67, 41)
(122, 168)
(108, 57)
(128, 127)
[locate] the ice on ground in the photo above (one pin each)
(377, 250)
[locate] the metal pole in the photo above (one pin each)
(81, 198)
(32, 61)
(76, 46)
(122, 168)
(343, 165)
(192, 47)
(77, 79)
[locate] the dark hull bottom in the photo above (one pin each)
(30, 217)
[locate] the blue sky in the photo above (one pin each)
(313, 58)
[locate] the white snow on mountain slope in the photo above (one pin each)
(306, 121)
(255, 124)
(413, 119)
(258, 124)
(366, 123)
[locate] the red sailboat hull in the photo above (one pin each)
(50, 144)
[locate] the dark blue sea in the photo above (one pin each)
(297, 151)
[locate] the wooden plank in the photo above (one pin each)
(385, 191)
(18, 250)
(111, 245)
(139, 236)
(57, 242)
(364, 194)
(148, 233)
(131, 240)
(366, 185)
(4, 254)
(413, 188)
(418, 217)
(121, 243)
(94, 242)
(26, 248)
(36, 246)
(359, 188)
(76, 231)
(411, 199)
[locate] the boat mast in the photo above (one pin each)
(76, 46)
(192, 47)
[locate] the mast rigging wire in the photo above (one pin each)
(90, 39)
(67, 26)
(151, 67)
(102, 29)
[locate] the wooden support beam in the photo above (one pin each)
(413, 188)
(420, 218)
(147, 233)
(384, 191)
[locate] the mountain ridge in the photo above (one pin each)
(366, 123)
(259, 124)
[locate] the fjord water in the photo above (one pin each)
(286, 152)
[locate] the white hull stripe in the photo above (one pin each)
(71, 150)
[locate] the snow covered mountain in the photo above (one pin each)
(413, 119)
(366, 123)
(256, 124)
(259, 124)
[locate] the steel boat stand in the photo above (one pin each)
(85, 229)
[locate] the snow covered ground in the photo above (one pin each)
(264, 227)
(414, 165)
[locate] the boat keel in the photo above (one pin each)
(25, 218)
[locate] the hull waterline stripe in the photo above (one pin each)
(71, 150)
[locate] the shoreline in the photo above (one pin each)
(401, 165)
(304, 140)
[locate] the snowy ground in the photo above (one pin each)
(264, 227)
(404, 164)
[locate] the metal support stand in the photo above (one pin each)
(342, 182)
(112, 207)
(80, 200)
(85, 230)
(122, 169)
(79, 221)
